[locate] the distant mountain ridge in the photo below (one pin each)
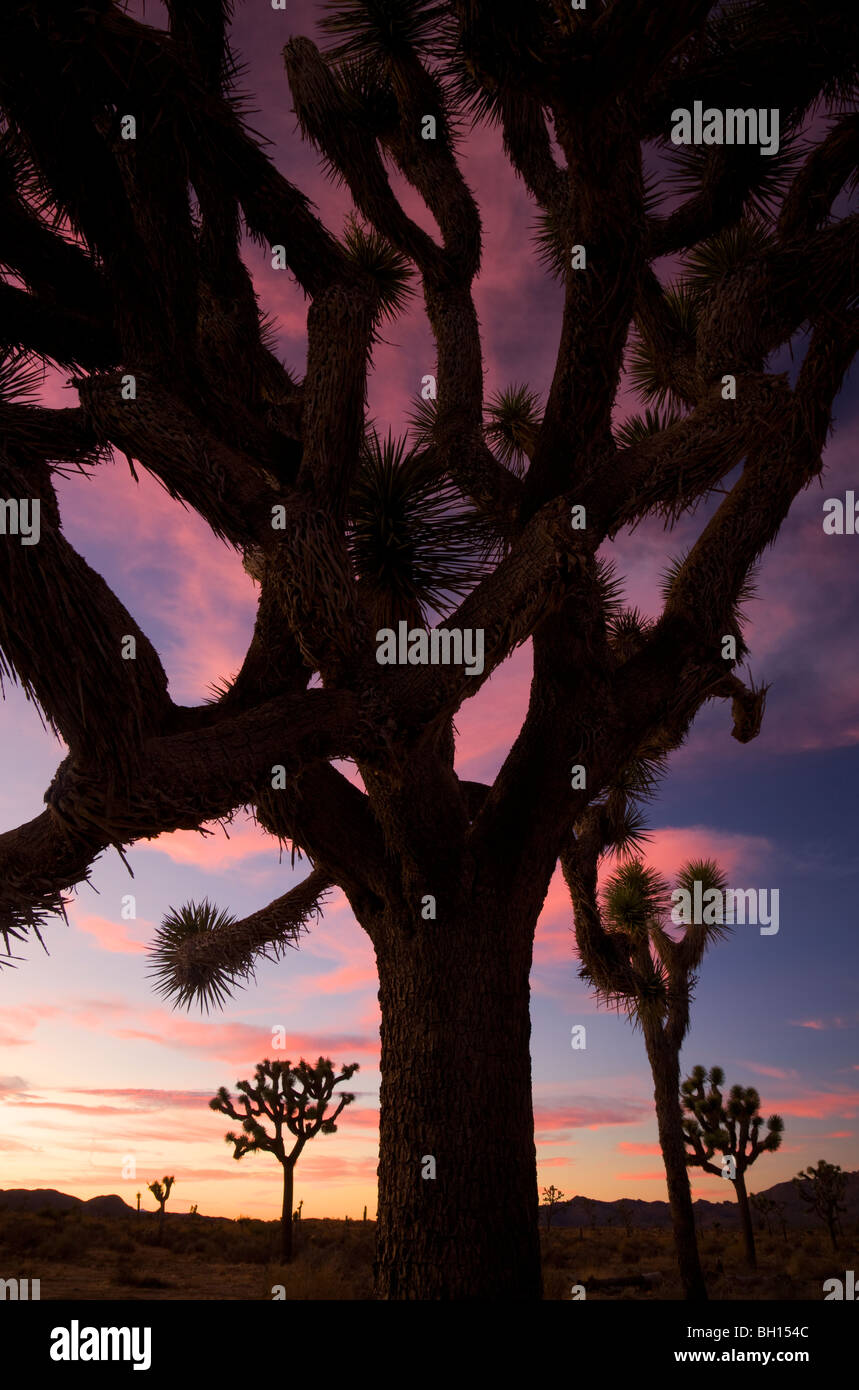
(578, 1211)
(37, 1198)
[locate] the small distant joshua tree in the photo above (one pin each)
(551, 1197)
(763, 1207)
(626, 1213)
(161, 1191)
(590, 1207)
(295, 1100)
(823, 1188)
(732, 1129)
(770, 1210)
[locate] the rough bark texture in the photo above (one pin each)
(456, 1087)
(286, 1211)
(669, 1119)
(746, 1220)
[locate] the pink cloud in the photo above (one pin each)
(589, 1114)
(110, 936)
(336, 937)
(643, 1149)
(186, 588)
(239, 1042)
(776, 1072)
(819, 1105)
(222, 848)
(149, 1099)
(821, 1025)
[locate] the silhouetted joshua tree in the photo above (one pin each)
(129, 179)
(731, 1128)
(823, 1188)
(295, 1099)
(626, 1214)
(644, 964)
(161, 1191)
(770, 1209)
(763, 1207)
(551, 1197)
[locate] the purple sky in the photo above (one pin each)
(117, 1077)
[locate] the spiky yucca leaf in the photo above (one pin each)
(210, 986)
(22, 376)
(640, 427)
(647, 1005)
(640, 777)
(634, 898)
(550, 241)
(367, 86)
(710, 261)
(422, 422)
(219, 688)
(761, 183)
(381, 29)
(629, 832)
(702, 934)
(391, 271)
(610, 586)
(707, 872)
(627, 632)
(745, 594)
(513, 420)
(646, 366)
(415, 543)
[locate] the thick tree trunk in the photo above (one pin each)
(665, 1067)
(286, 1213)
(746, 1220)
(458, 1208)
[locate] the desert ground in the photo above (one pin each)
(79, 1256)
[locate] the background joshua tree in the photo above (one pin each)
(629, 953)
(770, 1210)
(823, 1188)
(626, 1214)
(731, 1128)
(590, 1208)
(161, 1191)
(124, 262)
(763, 1207)
(295, 1100)
(551, 1197)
